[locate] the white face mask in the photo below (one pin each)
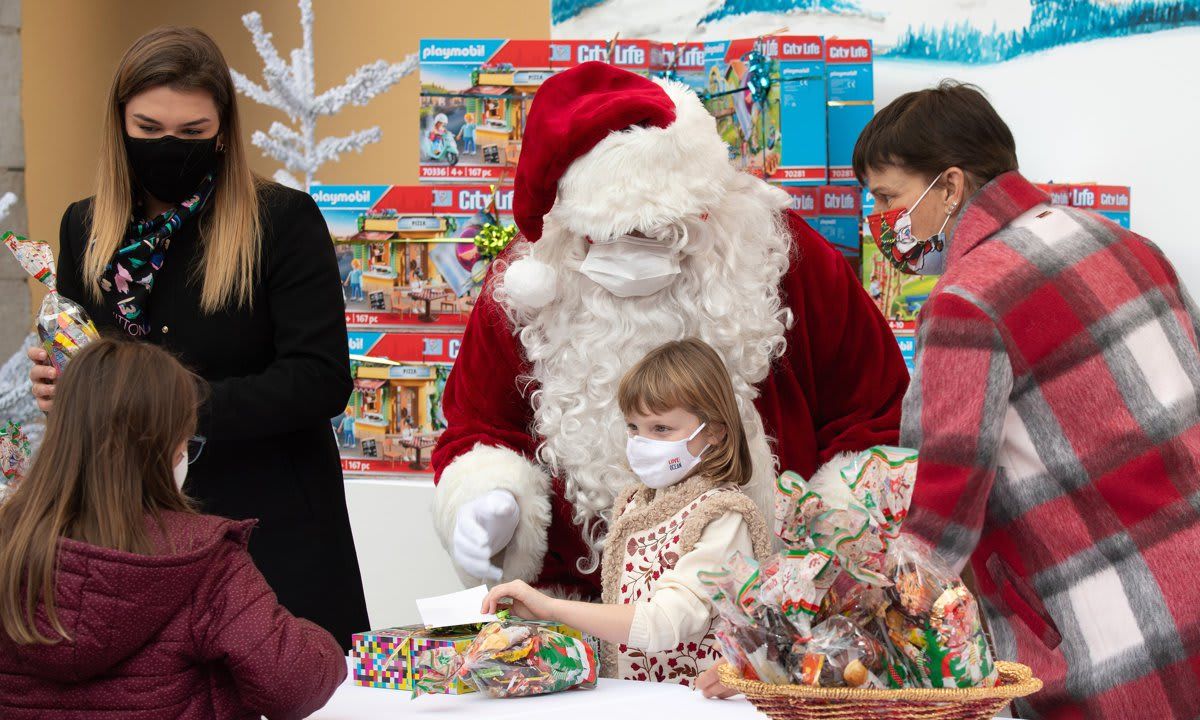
(661, 463)
(181, 469)
(631, 266)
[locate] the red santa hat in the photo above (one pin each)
(607, 151)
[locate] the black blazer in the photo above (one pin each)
(276, 372)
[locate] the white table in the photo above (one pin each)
(609, 700)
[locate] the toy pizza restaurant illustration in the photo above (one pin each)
(394, 416)
(410, 258)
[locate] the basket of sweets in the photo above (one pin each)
(855, 620)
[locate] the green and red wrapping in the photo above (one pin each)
(511, 659)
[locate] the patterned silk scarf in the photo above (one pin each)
(129, 277)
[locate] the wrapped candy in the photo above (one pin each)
(798, 582)
(934, 623)
(14, 452)
(853, 513)
(841, 654)
(852, 603)
(511, 659)
(63, 327)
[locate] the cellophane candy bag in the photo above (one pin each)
(851, 603)
(63, 327)
(933, 621)
(510, 658)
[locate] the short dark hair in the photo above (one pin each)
(927, 131)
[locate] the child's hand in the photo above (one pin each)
(527, 603)
(710, 684)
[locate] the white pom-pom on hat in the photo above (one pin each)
(531, 283)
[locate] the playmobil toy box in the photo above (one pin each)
(475, 96)
(1111, 201)
(840, 220)
(782, 138)
(679, 61)
(835, 211)
(407, 254)
(850, 93)
(394, 415)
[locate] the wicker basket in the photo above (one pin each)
(800, 702)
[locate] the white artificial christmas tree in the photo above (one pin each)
(6, 203)
(289, 87)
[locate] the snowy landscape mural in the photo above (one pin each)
(1094, 90)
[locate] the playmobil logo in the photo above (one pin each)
(358, 197)
(438, 52)
(621, 54)
(479, 200)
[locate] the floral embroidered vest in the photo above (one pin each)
(647, 538)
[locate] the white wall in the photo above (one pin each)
(398, 551)
(1119, 111)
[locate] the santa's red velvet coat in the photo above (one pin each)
(837, 388)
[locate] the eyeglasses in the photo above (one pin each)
(195, 446)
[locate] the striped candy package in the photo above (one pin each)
(63, 327)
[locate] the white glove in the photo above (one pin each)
(484, 526)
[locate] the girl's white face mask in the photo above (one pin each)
(661, 463)
(631, 266)
(181, 469)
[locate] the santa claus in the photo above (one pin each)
(634, 230)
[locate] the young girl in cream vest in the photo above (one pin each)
(687, 514)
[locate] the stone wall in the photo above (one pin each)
(14, 289)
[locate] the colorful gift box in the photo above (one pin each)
(387, 658)
(783, 137)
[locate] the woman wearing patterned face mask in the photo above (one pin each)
(1056, 408)
(182, 246)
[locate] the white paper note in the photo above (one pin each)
(459, 608)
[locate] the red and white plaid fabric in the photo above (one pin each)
(1056, 406)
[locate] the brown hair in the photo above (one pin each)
(689, 374)
(928, 131)
(182, 59)
(121, 410)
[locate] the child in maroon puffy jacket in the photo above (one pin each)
(116, 598)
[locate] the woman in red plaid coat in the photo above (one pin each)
(1056, 408)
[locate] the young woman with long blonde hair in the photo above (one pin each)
(184, 247)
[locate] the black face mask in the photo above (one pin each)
(171, 169)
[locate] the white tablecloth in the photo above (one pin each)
(609, 700)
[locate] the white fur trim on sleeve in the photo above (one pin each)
(481, 470)
(834, 467)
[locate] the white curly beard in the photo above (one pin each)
(582, 343)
